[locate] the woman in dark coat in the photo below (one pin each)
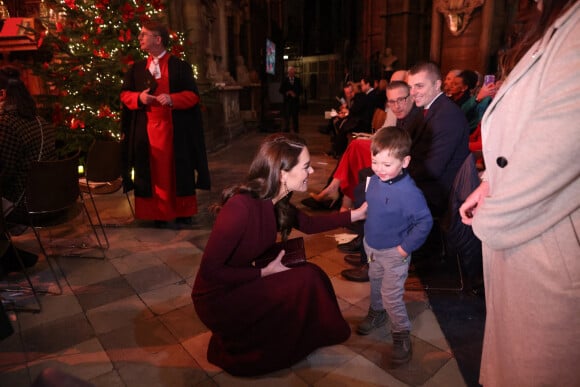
(265, 319)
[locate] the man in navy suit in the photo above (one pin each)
(441, 145)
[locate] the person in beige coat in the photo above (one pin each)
(527, 209)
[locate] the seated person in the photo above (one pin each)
(461, 91)
(449, 79)
(24, 138)
(357, 120)
(341, 113)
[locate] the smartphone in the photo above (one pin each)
(487, 79)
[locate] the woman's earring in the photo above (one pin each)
(287, 191)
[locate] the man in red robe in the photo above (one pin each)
(162, 133)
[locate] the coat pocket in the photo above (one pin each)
(567, 237)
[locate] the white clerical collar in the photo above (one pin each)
(157, 57)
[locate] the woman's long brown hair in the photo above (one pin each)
(278, 152)
(535, 24)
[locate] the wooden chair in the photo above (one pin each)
(379, 117)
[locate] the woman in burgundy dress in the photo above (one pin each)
(265, 319)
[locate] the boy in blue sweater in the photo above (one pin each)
(398, 222)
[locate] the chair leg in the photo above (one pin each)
(130, 204)
(19, 289)
(102, 225)
(98, 220)
(43, 250)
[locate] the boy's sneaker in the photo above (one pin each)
(374, 319)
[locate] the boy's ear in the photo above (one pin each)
(406, 161)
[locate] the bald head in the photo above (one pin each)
(399, 75)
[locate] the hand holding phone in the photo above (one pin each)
(489, 78)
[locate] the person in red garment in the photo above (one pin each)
(266, 319)
(162, 133)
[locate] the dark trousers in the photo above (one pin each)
(291, 108)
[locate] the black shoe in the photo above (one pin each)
(187, 220)
(321, 204)
(161, 224)
(351, 247)
(354, 259)
(360, 274)
(10, 262)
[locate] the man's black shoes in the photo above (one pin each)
(352, 247)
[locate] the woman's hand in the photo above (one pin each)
(275, 266)
(488, 90)
(359, 213)
(469, 208)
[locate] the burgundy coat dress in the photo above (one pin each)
(260, 324)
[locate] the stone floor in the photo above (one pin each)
(128, 320)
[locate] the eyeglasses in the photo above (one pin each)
(398, 101)
(143, 34)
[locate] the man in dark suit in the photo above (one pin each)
(291, 89)
(367, 84)
(440, 146)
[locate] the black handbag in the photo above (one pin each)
(295, 253)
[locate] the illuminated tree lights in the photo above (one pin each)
(86, 49)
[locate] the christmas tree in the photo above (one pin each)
(88, 45)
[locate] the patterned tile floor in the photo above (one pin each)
(128, 320)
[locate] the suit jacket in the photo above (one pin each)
(439, 148)
(286, 86)
(358, 119)
(530, 221)
(191, 168)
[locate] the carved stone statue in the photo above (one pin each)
(388, 59)
(457, 13)
(242, 74)
(212, 72)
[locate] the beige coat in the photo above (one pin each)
(530, 223)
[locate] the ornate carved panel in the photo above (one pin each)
(457, 13)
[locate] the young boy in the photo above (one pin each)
(398, 222)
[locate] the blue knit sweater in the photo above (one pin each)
(397, 214)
